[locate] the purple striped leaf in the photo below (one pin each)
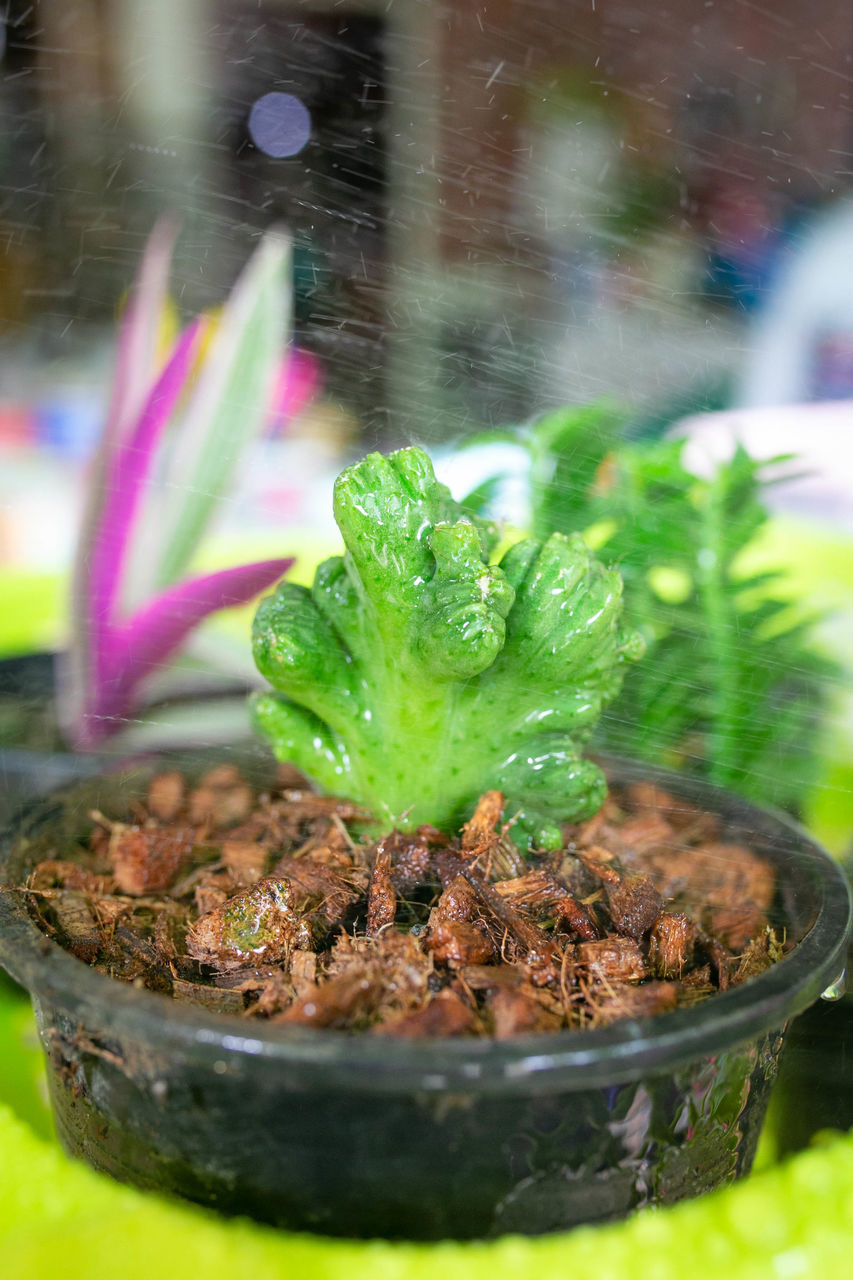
(135, 371)
(137, 647)
(227, 409)
(127, 473)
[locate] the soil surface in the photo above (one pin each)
(274, 907)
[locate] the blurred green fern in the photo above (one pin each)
(732, 687)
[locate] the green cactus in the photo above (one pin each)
(415, 674)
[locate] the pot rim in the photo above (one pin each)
(545, 1062)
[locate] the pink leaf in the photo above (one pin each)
(136, 360)
(148, 639)
(134, 375)
(127, 473)
(297, 383)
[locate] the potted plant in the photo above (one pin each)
(414, 675)
(182, 410)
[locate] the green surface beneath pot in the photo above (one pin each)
(59, 1218)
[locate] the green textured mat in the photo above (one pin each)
(57, 1218)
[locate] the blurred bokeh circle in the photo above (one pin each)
(279, 124)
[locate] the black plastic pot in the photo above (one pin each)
(360, 1135)
(816, 1081)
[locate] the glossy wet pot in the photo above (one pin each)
(361, 1135)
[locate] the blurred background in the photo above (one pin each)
(496, 208)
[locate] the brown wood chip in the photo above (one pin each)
(244, 860)
(635, 905)
(78, 926)
(671, 944)
(457, 902)
(613, 960)
(457, 942)
(220, 806)
(536, 892)
(575, 919)
(259, 924)
(533, 943)
(445, 1015)
(479, 834)
(411, 860)
(519, 1012)
(634, 1002)
(149, 859)
(166, 795)
(335, 1003)
(381, 898)
(324, 890)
